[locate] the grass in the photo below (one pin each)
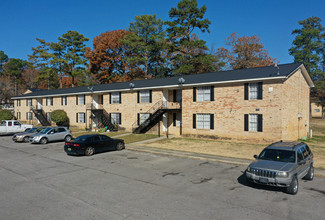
(243, 150)
(131, 138)
(110, 134)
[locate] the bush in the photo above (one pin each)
(60, 118)
(6, 115)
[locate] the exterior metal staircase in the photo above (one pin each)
(103, 117)
(40, 115)
(156, 111)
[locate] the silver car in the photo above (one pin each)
(281, 164)
(51, 134)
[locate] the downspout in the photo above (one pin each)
(299, 97)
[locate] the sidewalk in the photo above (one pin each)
(229, 160)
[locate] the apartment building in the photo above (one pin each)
(263, 104)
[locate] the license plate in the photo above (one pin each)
(264, 180)
(69, 149)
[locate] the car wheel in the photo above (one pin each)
(119, 146)
(310, 174)
(68, 138)
(43, 141)
(26, 139)
(89, 151)
(293, 187)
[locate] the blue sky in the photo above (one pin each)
(273, 20)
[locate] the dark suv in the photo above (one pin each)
(281, 164)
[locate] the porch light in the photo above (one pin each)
(131, 85)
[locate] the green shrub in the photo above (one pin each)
(60, 118)
(5, 115)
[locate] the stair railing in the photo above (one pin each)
(157, 106)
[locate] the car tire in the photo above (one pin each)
(68, 138)
(293, 187)
(26, 139)
(310, 174)
(89, 151)
(43, 141)
(119, 146)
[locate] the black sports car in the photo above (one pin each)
(91, 144)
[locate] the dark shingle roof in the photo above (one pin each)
(269, 72)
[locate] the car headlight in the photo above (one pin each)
(249, 169)
(283, 174)
(37, 138)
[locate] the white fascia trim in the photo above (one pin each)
(170, 86)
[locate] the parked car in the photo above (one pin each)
(281, 164)
(51, 134)
(91, 144)
(13, 126)
(24, 137)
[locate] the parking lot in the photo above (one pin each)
(42, 182)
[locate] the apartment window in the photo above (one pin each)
(205, 93)
(203, 121)
(64, 100)
(29, 102)
(253, 122)
(29, 116)
(80, 99)
(49, 101)
(18, 115)
(116, 97)
(177, 117)
(18, 102)
(81, 117)
(145, 96)
(142, 117)
(253, 91)
(116, 118)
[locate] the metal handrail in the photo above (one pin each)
(158, 105)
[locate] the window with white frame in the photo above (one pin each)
(143, 117)
(29, 116)
(116, 118)
(253, 120)
(145, 96)
(18, 115)
(115, 97)
(203, 93)
(64, 100)
(81, 99)
(18, 102)
(49, 101)
(29, 102)
(203, 121)
(81, 117)
(253, 91)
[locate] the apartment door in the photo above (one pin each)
(39, 103)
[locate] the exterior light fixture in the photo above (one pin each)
(131, 85)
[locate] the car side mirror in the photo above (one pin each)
(255, 156)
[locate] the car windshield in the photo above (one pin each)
(45, 130)
(278, 155)
(32, 130)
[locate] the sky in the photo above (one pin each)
(272, 20)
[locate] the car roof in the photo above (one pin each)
(285, 145)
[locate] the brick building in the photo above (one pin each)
(264, 104)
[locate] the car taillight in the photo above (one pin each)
(76, 145)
